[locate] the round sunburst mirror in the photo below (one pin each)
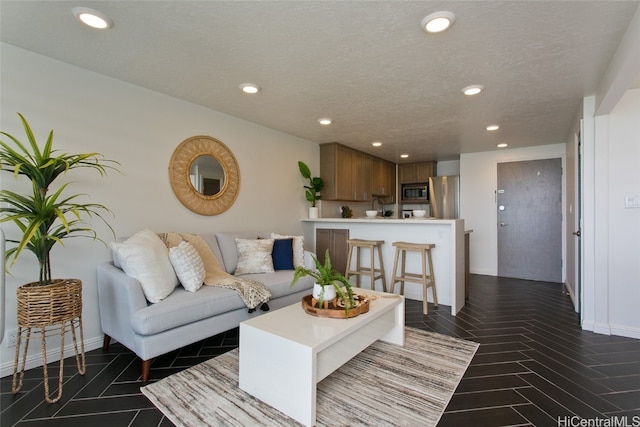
(204, 175)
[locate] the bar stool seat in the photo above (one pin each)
(369, 271)
(427, 280)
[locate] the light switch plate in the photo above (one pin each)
(632, 202)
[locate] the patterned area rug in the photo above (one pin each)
(385, 385)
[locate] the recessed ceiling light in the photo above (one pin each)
(472, 90)
(92, 18)
(377, 144)
(503, 145)
(437, 21)
(325, 121)
(493, 127)
(250, 88)
(404, 156)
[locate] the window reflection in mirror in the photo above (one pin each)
(206, 175)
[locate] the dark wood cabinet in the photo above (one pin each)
(411, 173)
(383, 182)
(352, 175)
(334, 239)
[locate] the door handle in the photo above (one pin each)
(502, 224)
(576, 233)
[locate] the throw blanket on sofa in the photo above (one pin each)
(253, 293)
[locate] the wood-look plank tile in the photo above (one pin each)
(493, 417)
(581, 388)
(497, 382)
(564, 397)
(485, 399)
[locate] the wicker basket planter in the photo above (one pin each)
(47, 310)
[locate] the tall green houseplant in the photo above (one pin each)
(45, 216)
(312, 191)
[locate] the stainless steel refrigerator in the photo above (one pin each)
(444, 196)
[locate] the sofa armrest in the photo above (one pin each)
(119, 296)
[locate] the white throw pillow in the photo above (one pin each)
(188, 265)
(254, 256)
(144, 257)
(298, 248)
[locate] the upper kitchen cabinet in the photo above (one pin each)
(410, 173)
(336, 164)
(362, 174)
(352, 175)
(383, 182)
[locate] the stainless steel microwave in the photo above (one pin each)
(415, 192)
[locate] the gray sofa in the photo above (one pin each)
(183, 318)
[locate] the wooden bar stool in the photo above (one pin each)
(370, 271)
(427, 280)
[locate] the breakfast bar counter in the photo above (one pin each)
(448, 256)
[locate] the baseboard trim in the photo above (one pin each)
(625, 331)
(602, 328)
(569, 289)
(34, 360)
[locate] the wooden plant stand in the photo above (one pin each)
(46, 310)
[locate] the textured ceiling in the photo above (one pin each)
(366, 64)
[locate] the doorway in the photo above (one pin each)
(529, 203)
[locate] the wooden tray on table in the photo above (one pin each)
(334, 311)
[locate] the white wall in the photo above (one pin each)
(449, 167)
(140, 129)
(478, 178)
(624, 223)
(612, 286)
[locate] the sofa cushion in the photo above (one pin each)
(298, 248)
(188, 265)
(282, 254)
(227, 245)
(144, 257)
(183, 307)
(279, 283)
(254, 256)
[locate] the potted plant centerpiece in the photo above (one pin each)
(329, 285)
(312, 191)
(45, 217)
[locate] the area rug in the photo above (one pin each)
(385, 385)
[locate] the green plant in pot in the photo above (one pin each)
(328, 280)
(312, 190)
(45, 216)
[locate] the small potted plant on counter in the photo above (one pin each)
(312, 191)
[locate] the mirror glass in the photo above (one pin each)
(207, 175)
(204, 175)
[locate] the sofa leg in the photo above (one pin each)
(106, 342)
(146, 367)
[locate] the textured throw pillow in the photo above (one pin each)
(188, 265)
(144, 257)
(254, 256)
(282, 254)
(298, 248)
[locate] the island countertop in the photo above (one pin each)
(448, 256)
(380, 220)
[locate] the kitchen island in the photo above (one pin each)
(448, 255)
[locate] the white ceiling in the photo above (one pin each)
(366, 64)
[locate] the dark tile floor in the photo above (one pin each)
(535, 366)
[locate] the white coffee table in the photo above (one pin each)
(285, 353)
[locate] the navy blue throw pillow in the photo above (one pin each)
(282, 254)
